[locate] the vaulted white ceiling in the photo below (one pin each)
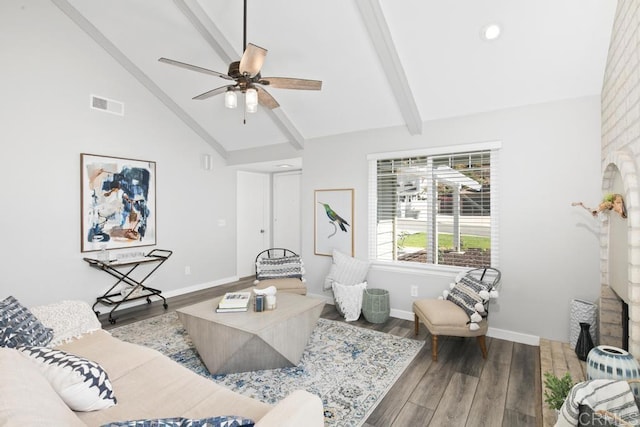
(382, 62)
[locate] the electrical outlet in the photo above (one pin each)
(414, 291)
(187, 270)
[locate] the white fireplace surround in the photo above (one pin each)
(621, 170)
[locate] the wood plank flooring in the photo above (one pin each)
(558, 358)
(460, 389)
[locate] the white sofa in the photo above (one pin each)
(147, 385)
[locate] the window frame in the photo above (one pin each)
(492, 146)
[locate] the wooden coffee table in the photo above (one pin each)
(250, 341)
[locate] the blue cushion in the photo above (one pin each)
(18, 326)
(221, 421)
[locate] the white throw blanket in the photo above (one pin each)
(349, 299)
(611, 395)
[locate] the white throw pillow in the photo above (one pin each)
(68, 319)
(346, 270)
(82, 384)
(349, 299)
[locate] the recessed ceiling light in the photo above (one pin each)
(284, 166)
(491, 32)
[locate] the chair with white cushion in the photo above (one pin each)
(281, 268)
(447, 316)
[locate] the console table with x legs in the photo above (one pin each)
(122, 270)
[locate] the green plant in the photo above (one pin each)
(556, 389)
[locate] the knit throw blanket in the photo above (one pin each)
(610, 395)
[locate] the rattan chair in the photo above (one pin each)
(285, 284)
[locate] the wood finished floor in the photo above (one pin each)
(460, 389)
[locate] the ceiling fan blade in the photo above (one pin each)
(194, 68)
(214, 92)
(252, 60)
(291, 83)
(265, 99)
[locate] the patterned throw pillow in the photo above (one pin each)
(279, 268)
(18, 326)
(82, 384)
(221, 421)
(469, 292)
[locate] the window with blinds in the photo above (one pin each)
(435, 208)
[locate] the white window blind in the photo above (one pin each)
(435, 207)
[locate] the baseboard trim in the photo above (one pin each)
(401, 314)
(492, 332)
(518, 337)
(181, 291)
(200, 287)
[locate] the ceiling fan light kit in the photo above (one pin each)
(251, 100)
(247, 77)
(230, 99)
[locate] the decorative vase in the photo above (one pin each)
(584, 343)
(608, 362)
(582, 311)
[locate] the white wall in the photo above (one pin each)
(49, 70)
(548, 249)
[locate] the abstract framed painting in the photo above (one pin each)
(333, 221)
(118, 202)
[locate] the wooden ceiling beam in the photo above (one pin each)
(380, 35)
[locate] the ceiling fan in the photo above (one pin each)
(247, 78)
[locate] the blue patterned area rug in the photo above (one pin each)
(350, 368)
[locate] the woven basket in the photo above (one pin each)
(375, 305)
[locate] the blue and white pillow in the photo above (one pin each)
(82, 384)
(18, 326)
(472, 295)
(221, 421)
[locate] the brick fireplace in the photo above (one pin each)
(620, 120)
(610, 317)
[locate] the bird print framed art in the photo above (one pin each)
(333, 221)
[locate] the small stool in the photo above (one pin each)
(443, 317)
(291, 285)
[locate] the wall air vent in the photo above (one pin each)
(108, 105)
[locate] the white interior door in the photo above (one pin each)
(286, 210)
(253, 207)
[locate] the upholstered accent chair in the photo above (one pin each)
(446, 317)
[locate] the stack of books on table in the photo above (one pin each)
(234, 302)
